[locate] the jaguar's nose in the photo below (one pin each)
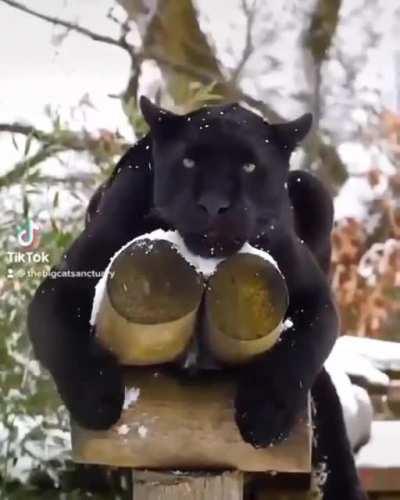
(214, 204)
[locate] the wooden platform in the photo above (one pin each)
(186, 426)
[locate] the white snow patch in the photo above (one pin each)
(357, 193)
(380, 354)
(288, 323)
(352, 199)
(123, 430)
(247, 248)
(360, 158)
(142, 431)
(381, 452)
(131, 396)
(23, 449)
(355, 401)
(365, 358)
(347, 355)
(205, 266)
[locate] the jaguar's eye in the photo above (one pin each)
(249, 167)
(188, 163)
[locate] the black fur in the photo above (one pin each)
(332, 451)
(220, 177)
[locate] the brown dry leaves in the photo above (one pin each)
(366, 261)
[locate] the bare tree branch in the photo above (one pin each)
(97, 37)
(83, 178)
(99, 147)
(269, 113)
(65, 139)
(131, 89)
(236, 93)
(18, 128)
(248, 48)
(200, 75)
(231, 90)
(22, 167)
(121, 42)
(319, 39)
(323, 26)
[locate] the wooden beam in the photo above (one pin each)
(186, 426)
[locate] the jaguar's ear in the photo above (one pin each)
(157, 118)
(290, 134)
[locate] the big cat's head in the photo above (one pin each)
(220, 173)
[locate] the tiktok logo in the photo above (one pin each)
(28, 234)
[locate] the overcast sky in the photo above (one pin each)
(34, 73)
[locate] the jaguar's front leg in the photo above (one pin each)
(273, 389)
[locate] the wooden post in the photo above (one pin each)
(190, 486)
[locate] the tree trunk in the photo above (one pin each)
(318, 41)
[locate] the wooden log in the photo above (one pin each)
(147, 314)
(186, 426)
(246, 302)
(178, 486)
